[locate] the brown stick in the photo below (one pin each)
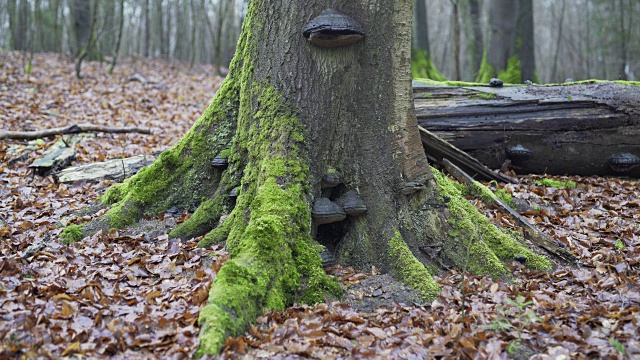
(530, 232)
(71, 129)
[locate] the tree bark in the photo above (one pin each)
(287, 119)
(422, 29)
(422, 63)
(510, 54)
(478, 42)
(81, 24)
(570, 129)
(556, 57)
(525, 45)
(147, 28)
(119, 38)
(504, 16)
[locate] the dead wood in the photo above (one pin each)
(71, 129)
(530, 232)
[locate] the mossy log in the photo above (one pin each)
(570, 128)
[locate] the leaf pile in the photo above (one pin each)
(588, 311)
(135, 295)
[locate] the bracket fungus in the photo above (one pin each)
(326, 211)
(219, 162)
(352, 203)
(333, 29)
(332, 178)
(623, 162)
(518, 154)
(411, 187)
(495, 82)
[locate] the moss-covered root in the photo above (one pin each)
(475, 243)
(181, 176)
(272, 261)
(408, 269)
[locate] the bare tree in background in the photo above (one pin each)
(422, 63)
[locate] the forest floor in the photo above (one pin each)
(137, 293)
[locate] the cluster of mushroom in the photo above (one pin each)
(326, 211)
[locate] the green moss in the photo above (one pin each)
(619, 245)
(486, 71)
(596, 81)
(178, 177)
(487, 196)
(410, 270)
(422, 66)
(512, 74)
(71, 234)
(487, 245)
(448, 82)
(487, 96)
(273, 261)
(556, 183)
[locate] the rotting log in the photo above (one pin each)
(570, 129)
(438, 150)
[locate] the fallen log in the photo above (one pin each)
(531, 233)
(71, 129)
(567, 129)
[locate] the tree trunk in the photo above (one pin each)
(478, 42)
(118, 39)
(455, 17)
(81, 24)
(147, 29)
(503, 58)
(422, 65)
(556, 57)
(504, 16)
(525, 45)
(569, 129)
(287, 119)
(421, 27)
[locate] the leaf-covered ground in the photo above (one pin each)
(137, 293)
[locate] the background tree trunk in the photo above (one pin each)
(525, 44)
(504, 17)
(422, 63)
(421, 26)
(81, 24)
(147, 28)
(477, 43)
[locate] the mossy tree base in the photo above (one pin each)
(284, 118)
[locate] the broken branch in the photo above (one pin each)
(71, 129)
